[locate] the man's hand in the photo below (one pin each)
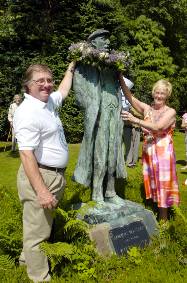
(46, 199)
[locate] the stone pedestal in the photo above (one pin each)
(116, 228)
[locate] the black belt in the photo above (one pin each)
(60, 170)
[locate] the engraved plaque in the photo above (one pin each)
(133, 234)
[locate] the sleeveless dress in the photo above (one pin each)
(159, 166)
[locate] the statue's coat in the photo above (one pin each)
(101, 153)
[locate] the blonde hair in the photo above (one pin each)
(34, 68)
(163, 83)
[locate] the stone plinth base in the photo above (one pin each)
(116, 228)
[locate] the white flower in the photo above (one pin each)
(81, 46)
(88, 50)
(103, 55)
(83, 51)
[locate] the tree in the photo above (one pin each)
(154, 32)
(152, 60)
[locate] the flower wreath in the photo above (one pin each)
(85, 53)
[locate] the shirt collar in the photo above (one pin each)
(37, 102)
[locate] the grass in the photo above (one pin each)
(182, 175)
(163, 261)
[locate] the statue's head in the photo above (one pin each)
(99, 39)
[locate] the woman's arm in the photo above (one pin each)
(137, 104)
(168, 119)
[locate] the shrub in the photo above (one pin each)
(10, 222)
(72, 120)
(4, 124)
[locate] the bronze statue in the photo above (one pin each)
(101, 157)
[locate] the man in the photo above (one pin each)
(11, 111)
(44, 156)
(131, 134)
(127, 130)
(101, 155)
(133, 153)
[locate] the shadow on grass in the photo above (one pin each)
(183, 172)
(13, 154)
(181, 162)
(148, 203)
(5, 148)
(120, 185)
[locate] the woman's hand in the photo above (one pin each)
(126, 116)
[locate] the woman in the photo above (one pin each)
(159, 164)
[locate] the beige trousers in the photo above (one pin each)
(37, 222)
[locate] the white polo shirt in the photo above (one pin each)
(38, 127)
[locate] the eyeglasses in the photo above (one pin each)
(41, 82)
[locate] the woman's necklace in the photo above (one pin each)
(157, 113)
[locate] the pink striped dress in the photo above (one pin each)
(159, 167)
